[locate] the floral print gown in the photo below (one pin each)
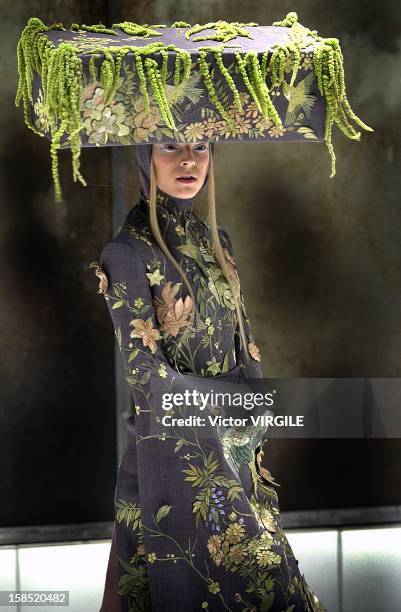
(197, 518)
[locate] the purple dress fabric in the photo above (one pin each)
(197, 521)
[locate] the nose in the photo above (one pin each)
(187, 156)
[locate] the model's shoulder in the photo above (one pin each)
(122, 248)
(134, 238)
(135, 231)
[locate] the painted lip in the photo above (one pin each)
(186, 179)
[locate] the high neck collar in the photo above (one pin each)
(174, 206)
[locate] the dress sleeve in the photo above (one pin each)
(130, 302)
(252, 368)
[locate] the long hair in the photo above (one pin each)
(230, 276)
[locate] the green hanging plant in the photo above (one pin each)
(224, 31)
(135, 29)
(329, 69)
(180, 24)
(100, 28)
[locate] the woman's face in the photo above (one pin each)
(175, 161)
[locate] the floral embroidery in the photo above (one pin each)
(146, 331)
(254, 351)
(162, 371)
(263, 514)
(104, 123)
(103, 283)
(144, 123)
(155, 277)
(42, 121)
(262, 471)
(171, 313)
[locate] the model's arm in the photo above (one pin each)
(130, 303)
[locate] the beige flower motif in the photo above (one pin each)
(210, 126)
(234, 533)
(263, 124)
(194, 131)
(218, 557)
(142, 121)
(307, 63)
(162, 370)
(155, 277)
(92, 97)
(252, 110)
(254, 351)
(214, 544)
(253, 547)
(265, 516)
(146, 331)
(42, 121)
(268, 520)
(214, 587)
(288, 65)
(214, 366)
(103, 283)
(275, 132)
(267, 557)
(106, 123)
(236, 554)
(172, 314)
(242, 124)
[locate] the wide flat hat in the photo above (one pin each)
(219, 82)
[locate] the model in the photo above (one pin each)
(197, 520)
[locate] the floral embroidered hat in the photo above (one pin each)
(219, 82)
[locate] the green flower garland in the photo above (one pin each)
(224, 31)
(135, 29)
(180, 24)
(100, 28)
(61, 72)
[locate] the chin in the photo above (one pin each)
(186, 191)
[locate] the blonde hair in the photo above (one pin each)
(230, 276)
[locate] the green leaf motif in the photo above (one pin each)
(224, 367)
(307, 132)
(145, 378)
(266, 602)
(132, 355)
(179, 444)
(117, 304)
(128, 512)
(162, 512)
(233, 493)
(189, 250)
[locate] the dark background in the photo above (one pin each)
(319, 260)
